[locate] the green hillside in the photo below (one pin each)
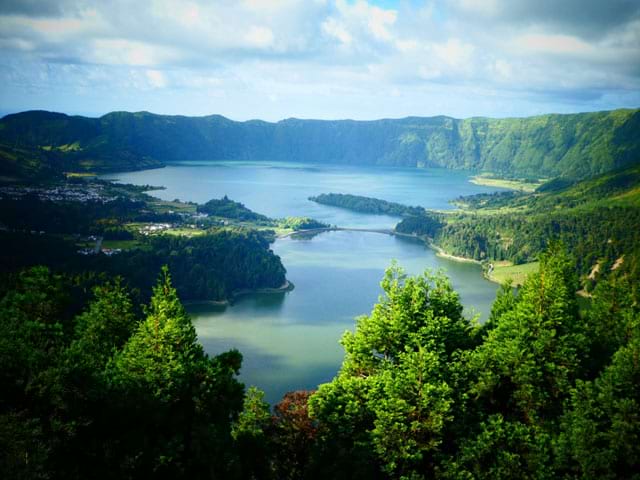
(595, 218)
(573, 146)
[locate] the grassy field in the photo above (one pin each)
(80, 174)
(184, 232)
(122, 244)
(162, 206)
(490, 181)
(504, 271)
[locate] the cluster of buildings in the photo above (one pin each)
(107, 251)
(154, 228)
(69, 193)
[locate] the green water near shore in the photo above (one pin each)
(290, 340)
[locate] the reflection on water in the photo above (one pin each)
(290, 340)
(282, 189)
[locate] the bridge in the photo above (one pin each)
(386, 231)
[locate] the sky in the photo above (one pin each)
(326, 59)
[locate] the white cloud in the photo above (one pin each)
(428, 73)
(503, 69)
(132, 53)
(337, 29)
(455, 53)
(407, 45)
(334, 50)
(376, 21)
(379, 22)
(156, 78)
(260, 37)
(554, 44)
(482, 7)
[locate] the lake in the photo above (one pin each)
(290, 340)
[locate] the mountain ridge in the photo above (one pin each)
(552, 145)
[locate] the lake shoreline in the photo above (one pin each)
(516, 185)
(287, 286)
(440, 252)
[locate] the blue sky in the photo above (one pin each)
(273, 59)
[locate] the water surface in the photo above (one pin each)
(282, 189)
(291, 340)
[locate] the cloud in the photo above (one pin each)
(364, 17)
(487, 8)
(156, 78)
(585, 18)
(131, 53)
(455, 53)
(552, 44)
(260, 37)
(337, 29)
(343, 56)
(32, 8)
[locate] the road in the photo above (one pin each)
(386, 231)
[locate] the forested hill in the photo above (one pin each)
(573, 146)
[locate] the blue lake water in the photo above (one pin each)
(291, 340)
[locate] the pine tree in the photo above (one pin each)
(161, 355)
(392, 402)
(178, 403)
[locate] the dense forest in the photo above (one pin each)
(595, 218)
(93, 387)
(206, 267)
(39, 143)
(103, 375)
(209, 261)
(227, 208)
(366, 204)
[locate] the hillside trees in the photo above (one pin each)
(580, 145)
(105, 394)
(182, 399)
(541, 391)
(390, 407)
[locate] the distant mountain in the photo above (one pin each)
(572, 146)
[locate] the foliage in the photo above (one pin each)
(422, 394)
(592, 218)
(577, 145)
(601, 429)
(366, 204)
(532, 356)
(540, 391)
(301, 223)
(105, 394)
(293, 435)
(428, 224)
(229, 209)
(250, 433)
(207, 267)
(393, 397)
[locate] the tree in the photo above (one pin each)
(177, 403)
(78, 389)
(251, 436)
(610, 320)
(293, 434)
(32, 324)
(601, 430)
(527, 364)
(161, 356)
(104, 327)
(523, 372)
(392, 401)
